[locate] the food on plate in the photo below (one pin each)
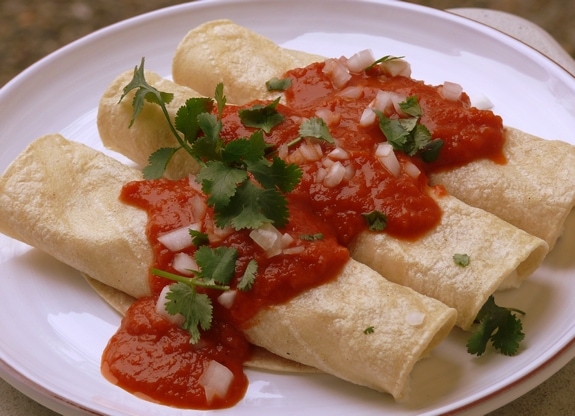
(520, 191)
(325, 327)
(418, 252)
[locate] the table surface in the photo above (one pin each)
(552, 397)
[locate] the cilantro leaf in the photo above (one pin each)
(276, 174)
(499, 325)
(382, 60)
(158, 161)
(249, 276)
(311, 237)
(376, 220)
(220, 181)
(187, 116)
(315, 127)
(277, 84)
(264, 117)
(220, 98)
(461, 259)
(144, 92)
(252, 207)
(198, 238)
(195, 307)
(217, 263)
(369, 330)
(251, 149)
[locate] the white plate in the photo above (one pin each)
(54, 327)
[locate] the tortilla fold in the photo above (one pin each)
(522, 192)
(38, 208)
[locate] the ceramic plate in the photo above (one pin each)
(54, 327)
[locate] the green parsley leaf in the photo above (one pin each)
(220, 99)
(251, 207)
(264, 117)
(220, 181)
(376, 220)
(217, 263)
(277, 84)
(382, 60)
(499, 325)
(249, 276)
(144, 92)
(461, 260)
(311, 237)
(158, 161)
(315, 127)
(199, 238)
(195, 307)
(187, 117)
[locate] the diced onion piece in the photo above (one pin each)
(337, 72)
(415, 318)
(311, 152)
(320, 175)
(293, 250)
(360, 60)
(268, 238)
(482, 102)
(396, 67)
(287, 240)
(199, 207)
(226, 299)
(368, 117)
(331, 118)
(179, 238)
(218, 234)
(194, 184)
(334, 175)
(451, 91)
(184, 264)
(396, 100)
(216, 380)
(411, 170)
(283, 151)
(352, 92)
(338, 154)
(388, 159)
(349, 172)
(177, 319)
(383, 101)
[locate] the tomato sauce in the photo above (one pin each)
(166, 367)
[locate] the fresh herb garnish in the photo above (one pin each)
(407, 134)
(461, 259)
(245, 188)
(369, 330)
(278, 84)
(499, 325)
(311, 237)
(315, 127)
(376, 220)
(382, 60)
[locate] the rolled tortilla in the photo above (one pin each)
(502, 255)
(234, 55)
(37, 207)
(147, 131)
(522, 192)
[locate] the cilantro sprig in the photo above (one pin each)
(499, 325)
(407, 135)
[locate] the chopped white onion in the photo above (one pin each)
(226, 299)
(177, 319)
(337, 72)
(218, 234)
(397, 67)
(320, 175)
(396, 100)
(311, 152)
(368, 117)
(352, 92)
(482, 102)
(334, 175)
(216, 380)
(411, 170)
(194, 184)
(293, 250)
(283, 151)
(360, 60)
(184, 264)
(388, 159)
(287, 240)
(199, 207)
(349, 172)
(451, 91)
(179, 238)
(383, 101)
(415, 318)
(268, 238)
(338, 154)
(331, 118)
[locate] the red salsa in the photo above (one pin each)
(341, 183)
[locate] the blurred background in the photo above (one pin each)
(31, 29)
